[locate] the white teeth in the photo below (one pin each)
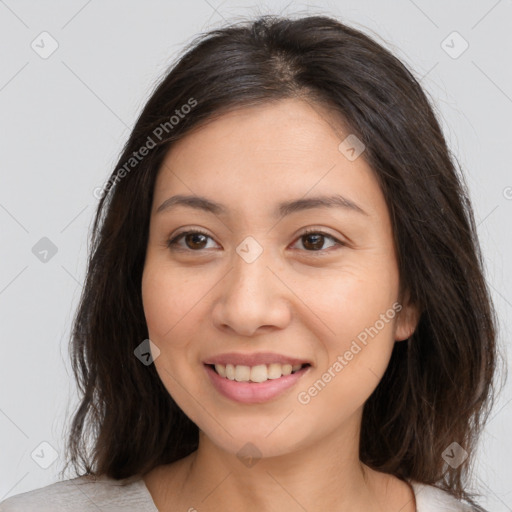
(242, 373)
(220, 369)
(230, 371)
(258, 373)
(274, 371)
(287, 369)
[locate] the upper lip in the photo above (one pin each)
(236, 358)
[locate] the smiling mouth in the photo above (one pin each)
(257, 373)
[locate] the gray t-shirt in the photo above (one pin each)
(102, 494)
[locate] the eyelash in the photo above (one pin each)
(172, 242)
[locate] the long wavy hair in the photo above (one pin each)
(439, 386)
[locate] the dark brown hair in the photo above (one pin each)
(438, 387)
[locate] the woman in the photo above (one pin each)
(285, 306)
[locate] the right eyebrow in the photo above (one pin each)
(282, 209)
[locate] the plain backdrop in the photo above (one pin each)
(66, 115)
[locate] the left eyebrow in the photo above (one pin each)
(282, 209)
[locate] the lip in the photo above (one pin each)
(254, 392)
(237, 358)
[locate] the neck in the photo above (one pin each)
(326, 476)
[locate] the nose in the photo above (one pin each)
(252, 296)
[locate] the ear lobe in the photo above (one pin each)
(407, 321)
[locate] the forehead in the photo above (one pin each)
(282, 150)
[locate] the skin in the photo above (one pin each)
(205, 301)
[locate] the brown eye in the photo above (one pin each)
(194, 241)
(314, 240)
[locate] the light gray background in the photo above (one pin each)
(65, 118)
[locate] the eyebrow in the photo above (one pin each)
(282, 209)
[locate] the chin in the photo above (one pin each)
(246, 438)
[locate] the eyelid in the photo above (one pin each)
(320, 231)
(173, 239)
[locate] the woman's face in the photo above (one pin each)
(255, 295)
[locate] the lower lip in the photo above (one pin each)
(253, 392)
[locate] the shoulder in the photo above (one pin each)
(84, 493)
(432, 499)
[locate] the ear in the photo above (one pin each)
(407, 320)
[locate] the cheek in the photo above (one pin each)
(358, 310)
(357, 349)
(169, 301)
(350, 302)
